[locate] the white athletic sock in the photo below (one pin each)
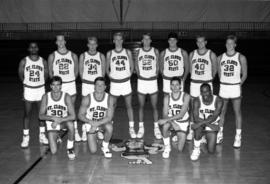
(141, 124)
(221, 129)
(156, 125)
(75, 125)
(70, 144)
(197, 143)
(131, 124)
(105, 144)
(41, 129)
(166, 141)
(25, 131)
(238, 131)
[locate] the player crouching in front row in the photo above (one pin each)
(58, 112)
(96, 111)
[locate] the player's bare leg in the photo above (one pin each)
(70, 140)
(222, 121)
(190, 131)
(108, 127)
(128, 100)
(141, 98)
(197, 143)
(52, 135)
(77, 135)
(166, 140)
(42, 136)
(238, 121)
(211, 138)
(26, 121)
(154, 100)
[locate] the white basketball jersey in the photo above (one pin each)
(34, 72)
(207, 110)
(175, 106)
(97, 109)
(230, 68)
(147, 63)
(92, 67)
(173, 63)
(63, 66)
(119, 65)
(56, 108)
(201, 66)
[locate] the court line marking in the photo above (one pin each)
(93, 171)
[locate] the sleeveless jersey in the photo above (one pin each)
(230, 68)
(119, 65)
(33, 72)
(175, 106)
(201, 66)
(92, 67)
(147, 64)
(63, 66)
(97, 109)
(173, 63)
(207, 110)
(56, 108)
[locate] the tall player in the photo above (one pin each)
(203, 68)
(173, 63)
(33, 71)
(206, 110)
(147, 68)
(119, 68)
(64, 63)
(232, 70)
(96, 111)
(91, 65)
(175, 115)
(58, 111)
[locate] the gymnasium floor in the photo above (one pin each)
(250, 164)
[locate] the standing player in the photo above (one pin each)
(173, 63)
(175, 115)
(91, 65)
(96, 111)
(206, 110)
(119, 69)
(147, 67)
(58, 111)
(203, 67)
(64, 63)
(232, 70)
(33, 71)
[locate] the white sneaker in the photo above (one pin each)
(84, 135)
(166, 152)
(106, 152)
(25, 141)
(237, 141)
(157, 133)
(43, 139)
(203, 140)
(132, 132)
(140, 133)
(77, 136)
(190, 135)
(100, 135)
(175, 138)
(71, 154)
(219, 137)
(195, 154)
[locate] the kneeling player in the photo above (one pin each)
(175, 113)
(206, 111)
(96, 111)
(58, 112)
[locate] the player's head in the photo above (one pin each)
(146, 39)
(175, 84)
(118, 39)
(172, 39)
(56, 83)
(206, 91)
(100, 85)
(92, 43)
(33, 48)
(231, 42)
(201, 41)
(60, 41)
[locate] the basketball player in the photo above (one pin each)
(64, 63)
(33, 71)
(203, 67)
(58, 111)
(119, 68)
(96, 111)
(147, 68)
(175, 115)
(232, 70)
(206, 110)
(91, 65)
(173, 63)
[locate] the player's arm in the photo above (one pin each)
(81, 65)
(71, 111)
(218, 66)
(46, 70)
(190, 61)
(108, 60)
(42, 111)
(50, 64)
(165, 110)
(131, 63)
(186, 65)
(161, 61)
(244, 68)
(157, 56)
(103, 64)
(21, 69)
(83, 110)
(76, 66)
(136, 63)
(109, 114)
(213, 59)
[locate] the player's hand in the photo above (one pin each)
(214, 127)
(194, 126)
(54, 125)
(162, 121)
(93, 129)
(57, 120)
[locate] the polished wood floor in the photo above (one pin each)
(250, 164)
